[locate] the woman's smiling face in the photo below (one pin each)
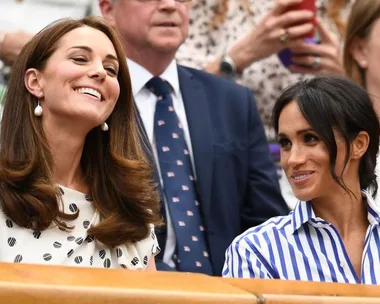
(79, 81)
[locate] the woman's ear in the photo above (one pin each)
(358, 50)
(108, 9)
(360, 145)
(33, 84)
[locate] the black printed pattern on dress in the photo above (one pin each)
(18, 258)
(78, 259)
(9, 223)
(107, 263)
(73, 207)
(12, 241)
(47, 256)
(57, 245)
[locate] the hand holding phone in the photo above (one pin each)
(285, 55)
(306, 5)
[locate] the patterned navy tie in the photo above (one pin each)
(179, 185)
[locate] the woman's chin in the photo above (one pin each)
(303, 195)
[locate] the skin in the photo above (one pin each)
(264, 39)
(152, 31)
(85, 57)
(11, 47)
(328, 50)
(303, 153)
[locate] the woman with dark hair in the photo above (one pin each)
(76, 188)
(329, 137)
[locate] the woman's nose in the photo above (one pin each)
(98, 72)
(296, 156)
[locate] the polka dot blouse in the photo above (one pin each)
(75, 247)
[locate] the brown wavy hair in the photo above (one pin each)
(117, 173)
(333, 11)
(363, 15)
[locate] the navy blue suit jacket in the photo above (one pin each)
(236, 178)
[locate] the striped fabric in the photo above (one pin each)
(301, 246)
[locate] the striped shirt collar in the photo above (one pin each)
(303, 212)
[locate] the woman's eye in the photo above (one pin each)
(112, 71)
(284, 143)
(311, 138)
(79, 59)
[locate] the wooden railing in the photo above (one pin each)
(35, 284)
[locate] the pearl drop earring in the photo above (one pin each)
(38, 109)
(104, 127)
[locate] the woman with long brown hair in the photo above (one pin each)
(76, 188)
(362, 47)
(362, 52)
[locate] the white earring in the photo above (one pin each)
(38, 109)
(104, 127)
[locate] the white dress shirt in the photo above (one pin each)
(146, 104)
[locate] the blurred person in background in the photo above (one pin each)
(21, 19)
(362, 51)
(76, 188)
(240, 39)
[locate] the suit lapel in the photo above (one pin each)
(198, 118)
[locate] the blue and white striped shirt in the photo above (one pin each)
(301, 246)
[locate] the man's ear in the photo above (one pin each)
(359, 52)
(359, 145)
(108, 9)
(33, 83)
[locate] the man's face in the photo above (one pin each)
(161, 25)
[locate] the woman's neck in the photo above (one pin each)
(373, 90)
(347, 212)
(66, 148)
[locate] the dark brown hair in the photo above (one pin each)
(116, 171)
(337, 104)
(363, 15)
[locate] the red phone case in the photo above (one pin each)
(306, 5)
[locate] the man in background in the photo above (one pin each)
(213, 167)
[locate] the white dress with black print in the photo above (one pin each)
(75, 247)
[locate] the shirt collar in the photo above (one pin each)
(140, 76)
(303, 212)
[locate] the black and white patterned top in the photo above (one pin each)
(72, 248)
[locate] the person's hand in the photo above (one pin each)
(272, 34)
(324, 58)
(12, 44)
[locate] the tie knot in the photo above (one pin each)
(158, 86)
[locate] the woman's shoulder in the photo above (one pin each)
(265, 231)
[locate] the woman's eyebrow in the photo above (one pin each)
(88, 49)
